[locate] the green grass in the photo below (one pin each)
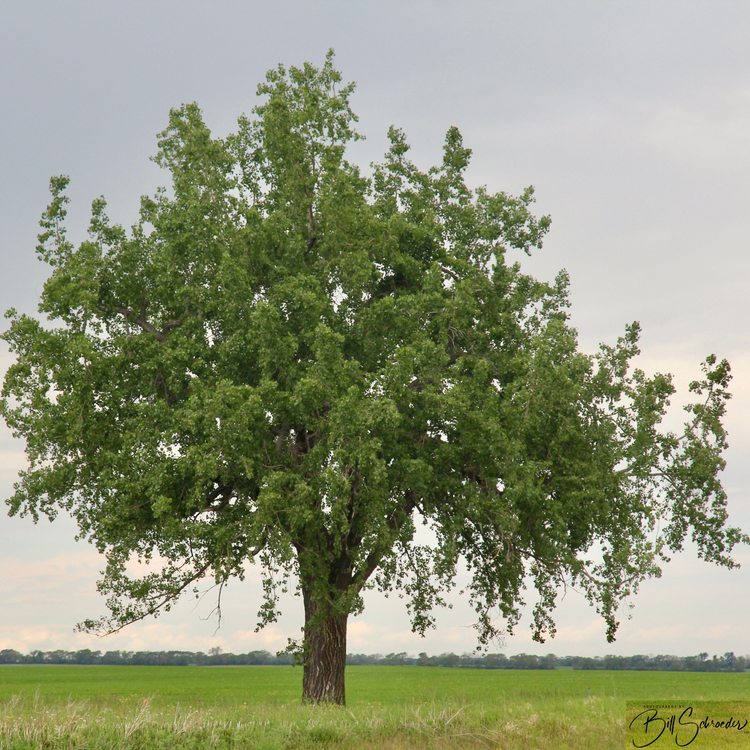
(387, 707)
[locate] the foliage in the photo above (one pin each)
(285, 361)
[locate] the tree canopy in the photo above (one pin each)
(290, 362)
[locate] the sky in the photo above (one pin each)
(630, 118)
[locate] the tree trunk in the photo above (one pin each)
(325, 654)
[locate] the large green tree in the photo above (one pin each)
(289, 363)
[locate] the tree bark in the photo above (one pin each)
(324, 653)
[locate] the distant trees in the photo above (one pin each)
(10, 656)
(145, 658)
(215, 657)
(660, 663)
(488, 661)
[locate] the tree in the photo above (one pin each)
(287, 362)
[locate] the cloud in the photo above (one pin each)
(25, 580)
(45, 638)
(594, 630)
(670, 634)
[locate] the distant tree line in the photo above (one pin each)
(216, 657)
(701, 663)
(483, 661)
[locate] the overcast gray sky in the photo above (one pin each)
(632, 120)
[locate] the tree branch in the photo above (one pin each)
(140, 319)
(392, 522)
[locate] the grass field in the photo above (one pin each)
(387, 707)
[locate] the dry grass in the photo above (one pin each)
(595, 723)
(168, 708)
